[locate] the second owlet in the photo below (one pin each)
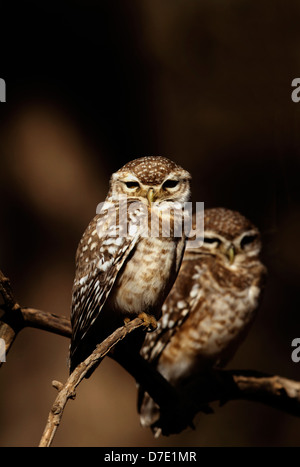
(211, 305)
(123, 269)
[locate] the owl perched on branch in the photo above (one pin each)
(123, 270)
(211, 305)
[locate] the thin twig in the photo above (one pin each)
(67, 391)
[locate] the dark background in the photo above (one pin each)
(94, 84)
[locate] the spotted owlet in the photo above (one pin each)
(126, 263)
(211, 305)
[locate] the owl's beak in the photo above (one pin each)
(150, 196)
(231, 254)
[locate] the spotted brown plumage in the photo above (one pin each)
(211, 305)
(122, 270)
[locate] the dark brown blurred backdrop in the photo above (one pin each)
(93, 84)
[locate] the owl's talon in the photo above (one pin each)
(149, 321)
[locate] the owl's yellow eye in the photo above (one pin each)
(170, 183)
(132, 184)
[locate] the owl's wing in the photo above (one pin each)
(102, 252)
(177, 307)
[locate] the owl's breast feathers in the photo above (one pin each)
(121, 270)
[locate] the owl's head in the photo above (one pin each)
(229, 237)
(153, 179)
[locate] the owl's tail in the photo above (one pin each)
(149, 412)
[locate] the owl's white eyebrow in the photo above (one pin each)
(249, 233)
(125, 178)
(171, 177)
(212, 235)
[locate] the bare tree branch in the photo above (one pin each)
(47, 321)
(67, 391)
(8, 331)
(228, 385)
(275, 391)
(7, 293)
(178, 406)
(15, 318)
